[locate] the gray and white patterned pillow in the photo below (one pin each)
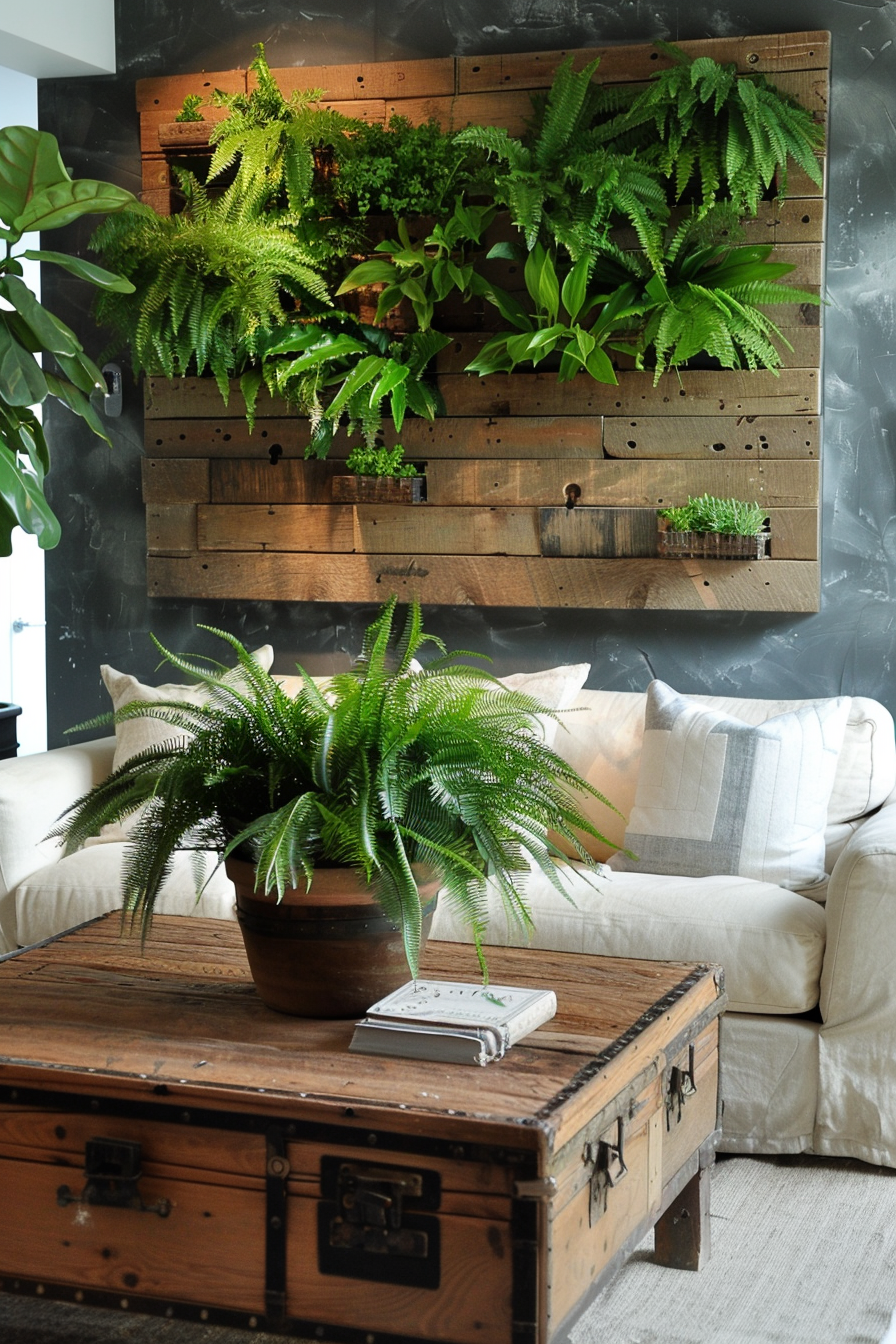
(719, 796)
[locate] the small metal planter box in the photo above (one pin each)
(379, 489)
(711, 546)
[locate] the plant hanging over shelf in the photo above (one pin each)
(596, 159)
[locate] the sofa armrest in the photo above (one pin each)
(34, 792)
(857, 980)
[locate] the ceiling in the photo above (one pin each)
(57, 38)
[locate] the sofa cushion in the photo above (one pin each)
(135, 735)
(718, 795)
(606, 729)
(769, 941)
(88, 883)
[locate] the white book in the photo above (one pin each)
(452, 1021)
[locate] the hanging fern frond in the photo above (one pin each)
(708, 128)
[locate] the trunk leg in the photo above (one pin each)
(682, 1232)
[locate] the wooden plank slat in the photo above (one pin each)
(493, 581)
(237, 481)
(511, 109)
(368, 529)
(606, 532)
(369, 79)
(638, 484)
(516, 436)
(171, 529)
(598, 531)
(172, 481)
(446, 436)
(169, 91)
(712, 436)
(770, 55)
(189, 529)
(226, 436)
(190, 398)
(738, 392)
(642, 483)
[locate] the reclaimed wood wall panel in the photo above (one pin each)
(234, 514)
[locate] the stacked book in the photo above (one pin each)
(452, 1021)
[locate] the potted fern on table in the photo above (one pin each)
(342, 811)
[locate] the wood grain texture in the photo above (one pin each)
(494, 581)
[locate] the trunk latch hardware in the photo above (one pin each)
(608, 1169)
(113, 1169)
(682, 1084)
(369, 1225)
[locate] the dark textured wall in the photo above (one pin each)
(97, 605)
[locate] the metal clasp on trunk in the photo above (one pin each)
(608, 1169)
(113, 1170)
(366, 1230)
(682, 1084)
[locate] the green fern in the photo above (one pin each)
(275, 143)
(207, 286)
(561, 183)
(699, 123)
(395, 766)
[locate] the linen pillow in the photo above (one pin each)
(135, 735)
(719, 796)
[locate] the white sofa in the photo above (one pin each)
(809, 1038)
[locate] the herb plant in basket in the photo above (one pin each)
(379, 475)
(714, 529)
(343, 810)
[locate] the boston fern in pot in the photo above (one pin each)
(409, 777)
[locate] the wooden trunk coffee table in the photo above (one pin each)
(170, 1145)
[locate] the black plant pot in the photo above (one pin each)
(9, 744)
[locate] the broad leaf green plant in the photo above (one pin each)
(426, 271)
(37, 194)
(567, 319)
(388, 765)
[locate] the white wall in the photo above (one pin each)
(50, 38)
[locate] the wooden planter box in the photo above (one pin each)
(711, 546)
(379, 489)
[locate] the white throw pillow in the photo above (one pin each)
(135, 735)
(716, 795)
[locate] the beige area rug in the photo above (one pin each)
(804, 1252)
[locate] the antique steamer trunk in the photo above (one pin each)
(169, 1145)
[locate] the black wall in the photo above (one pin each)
(97, 609)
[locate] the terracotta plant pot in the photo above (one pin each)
(330, 952)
